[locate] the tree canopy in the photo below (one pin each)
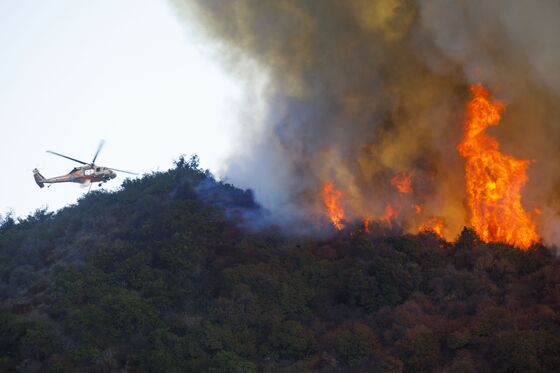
(164, 276)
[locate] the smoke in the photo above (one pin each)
(358, 91)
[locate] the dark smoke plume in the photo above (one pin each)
(358, 91)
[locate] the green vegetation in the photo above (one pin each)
(161, 276)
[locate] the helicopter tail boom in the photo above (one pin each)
(39, 179)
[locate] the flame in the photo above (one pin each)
(331, 197)
(435, 225)
(403, 183)
(390, 214)
(417, 208)
(494, 180)
(367, 222)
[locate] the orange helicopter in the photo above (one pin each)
(88, 173)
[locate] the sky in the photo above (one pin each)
(127, 71)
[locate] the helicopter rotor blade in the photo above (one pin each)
(126, 172)
(67, 157)
(101, 143)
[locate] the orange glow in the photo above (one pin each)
(331, 197)
(434, 224)
(494, 180)
(403, 183)
(366, 222)
(417, 208)
(390, 214)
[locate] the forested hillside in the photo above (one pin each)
(164, 276)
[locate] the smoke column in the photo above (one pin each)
(359, 91)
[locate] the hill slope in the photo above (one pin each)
(161, 276)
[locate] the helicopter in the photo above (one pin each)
(88, 173)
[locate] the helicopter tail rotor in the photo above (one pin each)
(39, 179)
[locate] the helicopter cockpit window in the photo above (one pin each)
(73, 170)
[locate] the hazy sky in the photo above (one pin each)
(74, 72)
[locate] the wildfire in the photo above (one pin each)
(417, 208)
(493, 185)
(494, 180)
(366, 222)
(435, 225)
(331, 197)
(390, 214)
(403, 183)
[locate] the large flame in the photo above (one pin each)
(494, 180)
(493, 186)
(331, 197)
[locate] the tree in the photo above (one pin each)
(355, 344)
(420, 349)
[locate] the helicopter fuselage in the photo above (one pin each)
(81, 175)
(88, 173)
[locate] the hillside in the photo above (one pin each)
(164, 276)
